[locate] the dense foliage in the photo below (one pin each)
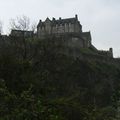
(37, 82)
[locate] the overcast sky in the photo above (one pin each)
(101, 17)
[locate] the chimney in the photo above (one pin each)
(76, 16)
(59, 18)
(111, 51)
(53, 19)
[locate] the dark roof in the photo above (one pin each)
(14, 30)
(24, 33)
(62, 21)
(59, 21)
(41, 24)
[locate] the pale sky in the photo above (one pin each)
(101, 17)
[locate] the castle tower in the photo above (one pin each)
(60, 26)
(111, 52)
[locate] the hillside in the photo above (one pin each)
(37, 82)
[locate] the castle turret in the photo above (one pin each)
(53, 19)
(60, 18)
(111, 52)
(76, 16)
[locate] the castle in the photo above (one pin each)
(70, 34)
(70, 30)
(61, 27)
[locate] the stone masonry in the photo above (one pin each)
(63, 27)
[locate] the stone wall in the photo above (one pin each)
(22, 33)
(58, 29)
(61, 26)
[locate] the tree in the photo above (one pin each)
(34, 27)
(20, 23)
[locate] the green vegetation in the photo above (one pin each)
(39, 83)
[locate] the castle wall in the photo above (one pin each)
(71, 27)
(108, 53)
(21, 33)
(75, 42)
(48, 27)
(41, 31)
(66, 28)
(54, 29)
(61, 29)
(59, 26)
(77, 28)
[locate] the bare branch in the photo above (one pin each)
(34, 27)
(20, 23)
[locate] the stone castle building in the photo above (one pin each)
(59, 26)
(22, 33)
(71, 32)
(67, 32)
(64, 27)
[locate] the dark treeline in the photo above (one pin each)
(37, 82)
